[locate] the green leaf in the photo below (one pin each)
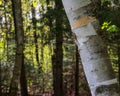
(113, 28)
(105, 25)
(42, 2)
(34, 3)
(1, 2)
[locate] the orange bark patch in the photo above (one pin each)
(82, 21)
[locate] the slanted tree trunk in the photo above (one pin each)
(94, 56)
(19, 37)
(58, 54)
(23, 80)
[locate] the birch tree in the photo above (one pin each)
(94, 56)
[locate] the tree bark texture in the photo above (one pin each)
(23, 80)
(94, 56)
(58, 54)
(19, 36)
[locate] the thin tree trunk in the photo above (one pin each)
(58, 65)
(23, 81)
(54, 71)
(119, 63)
(35, 33)
(50, 20)
(42, 53)
(94, 56)
(6, 30)
(0, 79)
(77, 73)
(1, 62)
(19, 36)
(42, 61)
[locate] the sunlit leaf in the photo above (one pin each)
(1, 44)
(105, 25)
(113, 28)
(34, 3)
(0, 2)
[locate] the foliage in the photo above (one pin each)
(40, 75)
(109, 27)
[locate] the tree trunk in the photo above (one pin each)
(19, 36)
(77, 73)
(50, 20)
(0, 61)
(35, 34)
(23, 81)
(94, 56)
(54, 71)
(6, 31)
(58, 65)
(119, 63)
(0, 78)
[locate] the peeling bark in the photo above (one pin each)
(94, 56)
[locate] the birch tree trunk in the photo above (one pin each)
(94, 56)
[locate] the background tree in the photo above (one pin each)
(77, 73)
(19, 36)
(23, 80)
(58, 65)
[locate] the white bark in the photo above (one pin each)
(95, 60)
